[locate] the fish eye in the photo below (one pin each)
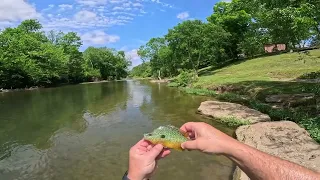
(149, 134)
(162, 136)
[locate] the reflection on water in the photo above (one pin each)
(85, 132)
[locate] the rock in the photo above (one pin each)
(283, 139)
(160, 81)
(292, 100)
(222, 110)
(308, 80)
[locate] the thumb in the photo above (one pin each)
(155, 151)
(190, 145)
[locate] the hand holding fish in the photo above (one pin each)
(206, 138)
(143, 159)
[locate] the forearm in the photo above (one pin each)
(259, 165)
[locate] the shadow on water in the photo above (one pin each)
(85, 131)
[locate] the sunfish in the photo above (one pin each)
(169, 136)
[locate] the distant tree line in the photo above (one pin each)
(236, 29)
(31, 57)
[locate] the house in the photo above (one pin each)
(270, 48)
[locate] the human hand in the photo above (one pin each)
(143, 159)
(206, 138)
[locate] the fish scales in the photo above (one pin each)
(169, 136)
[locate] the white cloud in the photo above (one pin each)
(137, 5)
(117, 1)
(133, 56)
(65, 6)
(16, 10)
(183, 15)
(125, 17)
(120, 12)
(227, 1)
(117, 8)
(162, 3)
(85, 16)
(92, 2)
(99, 37)
(128, 4)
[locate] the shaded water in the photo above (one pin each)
(85, 131)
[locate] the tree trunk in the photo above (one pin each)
(159, 75)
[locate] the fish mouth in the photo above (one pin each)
(147, 135)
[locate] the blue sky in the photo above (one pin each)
(121, 24)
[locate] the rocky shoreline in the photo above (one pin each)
(284, 139)
(21, 89)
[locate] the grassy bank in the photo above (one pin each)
(283, 67)
(249, 82)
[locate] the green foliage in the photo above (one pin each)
(173, 84)
(233, 121)
(200, 92)
(141, 71)
(312, 125)
(240, 28)
(110, 63)
(312, 75)
(29, 57)
(185, 78)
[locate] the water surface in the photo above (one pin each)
(85, 131)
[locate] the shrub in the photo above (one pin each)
(233, 122)
(312, 75)
(173, 84)
(201, 92)
(185, 78)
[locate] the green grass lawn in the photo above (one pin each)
(248, 82)
(272, 68)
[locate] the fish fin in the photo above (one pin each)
(182, 132)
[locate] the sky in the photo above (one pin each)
(120, 24)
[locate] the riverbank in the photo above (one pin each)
(20, 89)
(252, 94)
(42, 87)
(270, 85)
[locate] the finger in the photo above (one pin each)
(155, 151)
(163, 154)
(142, 142)
(190, 145)
(149, 147)
(189, 128)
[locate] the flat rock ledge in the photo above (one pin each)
(220, 110)
(283, 139)
(159, 81)
(292, 100)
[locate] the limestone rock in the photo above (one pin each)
(221, 110)
(283, 139)
(160, 81)
(292, 100)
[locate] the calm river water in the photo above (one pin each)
(85, 131)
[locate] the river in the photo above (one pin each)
(85, 131)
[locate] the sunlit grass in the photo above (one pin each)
(272, 68)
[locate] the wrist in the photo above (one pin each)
(135, 176)
(230, 147)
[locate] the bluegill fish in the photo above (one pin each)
(169, 136)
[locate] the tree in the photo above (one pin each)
(143, 70)
(71, 43)
(110, 63)
(151, 52)
(234, 20)
(186, 40)
(28, 58)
